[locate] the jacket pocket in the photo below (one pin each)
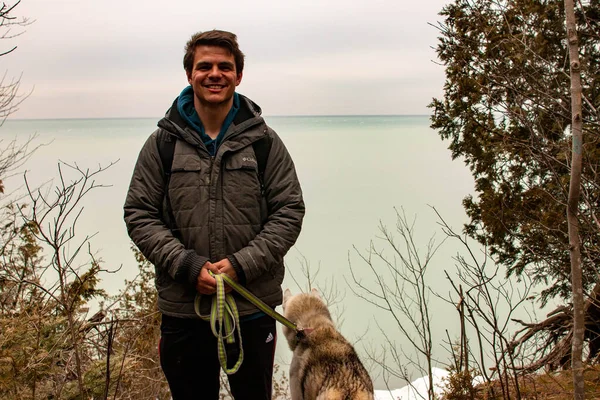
(241, 190)
(184, 183)
(185, 172)
(241, 174)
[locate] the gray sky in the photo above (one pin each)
(123, 58)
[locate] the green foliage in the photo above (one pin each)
(25, 326)
(36, 351)
(84, 288)
(140, 297)
(459, 385)
(137, 336)
(20, 253)
(47, 347)
(506, 113)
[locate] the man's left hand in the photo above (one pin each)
(226, 268)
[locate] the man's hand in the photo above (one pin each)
(226, 268)
(206, 284)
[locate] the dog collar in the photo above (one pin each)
(301, 333)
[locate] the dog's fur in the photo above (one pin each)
(324, 365)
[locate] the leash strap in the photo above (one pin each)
(224, 319)
(259, 303)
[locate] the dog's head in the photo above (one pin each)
(292, 303)
(300, 309)
(310, 314)
(303, 308)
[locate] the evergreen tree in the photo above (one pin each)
(506, 112)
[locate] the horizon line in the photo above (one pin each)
(264, 116)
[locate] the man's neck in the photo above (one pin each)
(212, 116)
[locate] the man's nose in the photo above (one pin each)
(214, 72)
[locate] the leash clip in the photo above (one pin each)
(302, 332)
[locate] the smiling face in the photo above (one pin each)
(213, 76)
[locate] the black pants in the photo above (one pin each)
(188, 357)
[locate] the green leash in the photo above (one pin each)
(224, 318)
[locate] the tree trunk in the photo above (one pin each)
(573, 204)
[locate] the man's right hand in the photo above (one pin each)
(206, 284)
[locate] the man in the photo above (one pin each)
(213, 202)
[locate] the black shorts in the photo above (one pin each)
(188, 357)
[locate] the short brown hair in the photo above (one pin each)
(223, 39)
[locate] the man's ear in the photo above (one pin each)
(238, 79)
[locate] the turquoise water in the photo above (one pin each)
(354, 171)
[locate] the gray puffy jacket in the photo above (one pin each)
(218, 208)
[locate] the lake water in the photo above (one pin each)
(354, 171)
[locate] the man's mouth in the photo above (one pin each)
(215, 87)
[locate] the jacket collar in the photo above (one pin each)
(248, 115)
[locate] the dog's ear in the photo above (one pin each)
(286, 296)
(315, 292)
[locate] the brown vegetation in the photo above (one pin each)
(548, 386)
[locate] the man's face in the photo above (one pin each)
(213, 76)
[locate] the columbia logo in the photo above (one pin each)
(269, 338)
(248, 159)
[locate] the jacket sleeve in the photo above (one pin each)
(286, 212)
(143, 212)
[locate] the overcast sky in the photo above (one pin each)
(123, 58)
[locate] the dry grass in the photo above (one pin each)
(548, 386)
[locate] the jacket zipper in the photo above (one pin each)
(211, 216)
(212, 162)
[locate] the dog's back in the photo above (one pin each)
(325, 365)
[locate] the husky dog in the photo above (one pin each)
(324, 365)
